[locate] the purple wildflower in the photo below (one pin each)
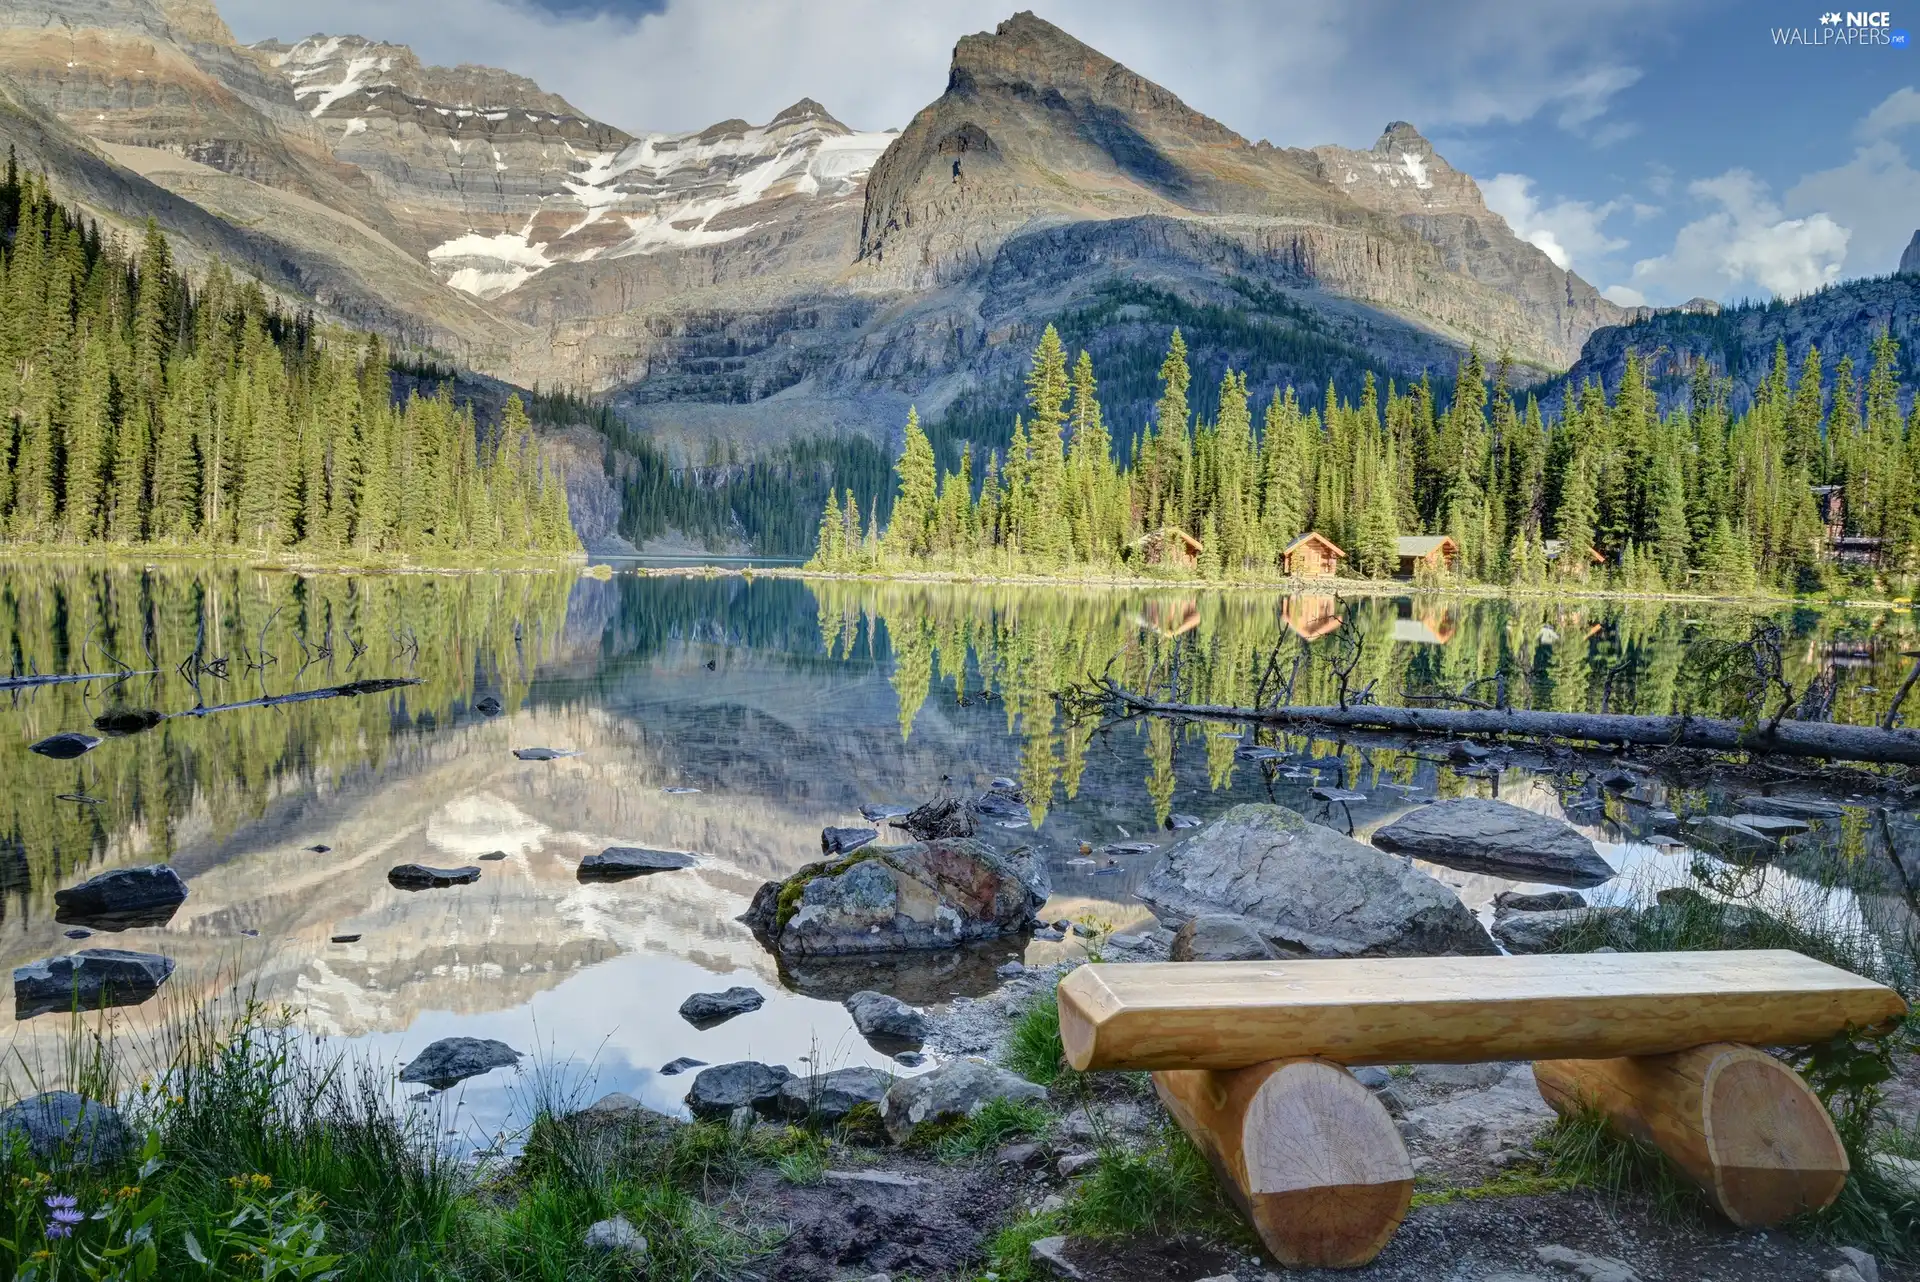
(65, 1215)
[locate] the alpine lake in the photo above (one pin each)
(735, 717)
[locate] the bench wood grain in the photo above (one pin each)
(1392, 1010)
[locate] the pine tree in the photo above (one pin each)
(911, 524)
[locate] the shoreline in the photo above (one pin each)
(285, 561)
(1292, 586)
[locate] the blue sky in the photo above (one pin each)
(1660, 148)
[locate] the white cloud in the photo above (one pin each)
(1625, 295)
(1900, 110)
(1875, 194)
(1747, 241)
(1317, 73)
(1568, 231)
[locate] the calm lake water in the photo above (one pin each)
(735, 719)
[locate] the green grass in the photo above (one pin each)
(1520, 1182)
(1164, 1188)
(999, 1122)
(1009, 1256)
(1034, 1049)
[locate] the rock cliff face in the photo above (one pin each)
(1910, 261)
(755, 281)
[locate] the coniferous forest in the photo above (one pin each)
(137, 409)
(1821, 469)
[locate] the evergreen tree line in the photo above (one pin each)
(137, 409)
(1612, 488)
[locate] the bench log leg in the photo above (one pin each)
(1312, 1157)
(1740, 1123)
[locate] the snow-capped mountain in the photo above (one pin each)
(509, 180)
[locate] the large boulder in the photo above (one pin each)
(91, 979)
(704, 1010)
(60, 1122)
(617, 863)
(421, 877)
(952, 1092)
(1223, 937)
(123, 898)
(716, 1092)
(1550, 930)
(1306, 887)
(454, 1059)
(825, 1099)
(934, 894)
(1473, 834)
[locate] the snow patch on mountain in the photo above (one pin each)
(312, 65)
(674, 191)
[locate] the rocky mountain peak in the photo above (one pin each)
(1401, 174)
(805, 111)
(196, 22)
(1910, 261)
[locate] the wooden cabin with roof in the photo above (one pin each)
(1169, 546)
(1312, 556)
(1433, 553)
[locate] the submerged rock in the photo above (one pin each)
(1512, 901)
(91, 979)
(703, 1010)
(1774, 826)
(934, 894)
(1214, 937)
(56, 1122)
(454, 1059)
(421, 877)
(952, 1092)
(541, 754)
(826, 1098)
(66, 745)
(126, 721)
(1473, 834)
(716, 1092)
(617, 863)
(1791, 808)
(883, 1018)
(1307, 885)
(123, 898)
(1721, 835)
(841, 841)
(487, 706)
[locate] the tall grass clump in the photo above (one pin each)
(1034, 1049)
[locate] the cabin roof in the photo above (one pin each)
(1423, 544)
(1167, 531)
(1314, 536)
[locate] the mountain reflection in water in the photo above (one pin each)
(735, 718)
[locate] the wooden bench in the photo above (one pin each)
(1251, 1058)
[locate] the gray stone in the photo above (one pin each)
(1223, 937)
(421, 877)
(1181, 822)
(123, 898)
(881, 1017)
(1544, 932)
(488, 706)
(66, 745)
(881, 1179)
(1722, 834)
(616, 1237)
(1071, 1164)
(1372, 1077)
(826, 1098)
(1865, 1265)
(1593, 1268)
(1297, 881)
(1507, 1114)
(880, 814)
(1512, 901)
(1017, 1155)
(1010, 970)
(614, 1104)
(87, 1131)
(454, 1059)
(675, 1067)
(91, 979)
(703, 1010)
(839, 841)
(740, 1122)
(616, 863)
(1842, 1273)
(541, 754)
(1337, 795)
(1791, 808)
(934, 894)
(1049, 935)
(1050, 1254)
(1774, 826)
(1473, 834)
(747, 1083)
(952, 1092)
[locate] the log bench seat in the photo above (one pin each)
(1251, 1059)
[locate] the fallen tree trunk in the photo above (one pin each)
(1787, 738)
(28, 683)
(373, 685)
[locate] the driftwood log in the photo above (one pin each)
(372, 685)
(29, 683)
(1313, 1159)
(1741, 1124)
(1819, 739)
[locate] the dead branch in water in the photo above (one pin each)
(28, 683)
(373, 685)
(1775, 735)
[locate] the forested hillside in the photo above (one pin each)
(136, 409)
(1702, 497)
